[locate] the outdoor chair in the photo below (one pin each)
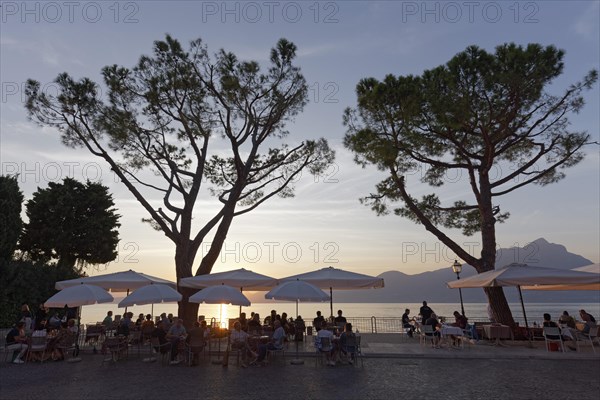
(147, 334)
(68, 347)
(163, 350)
(93, 333)
(194, 348)
(7, 352)
(135, 340)
(590, 336)
(117, 347)
(353, 350)
(323, 346)
(274, 352)
(552, 335)
(37, 344)
(427, 333)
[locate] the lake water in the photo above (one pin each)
(474, 311)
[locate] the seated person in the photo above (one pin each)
(340, 320)
(299, 329)
(63, 339)
(460, 320)
(139, 321)
(551, 324)
(436, 326)
(147, 327)
(254, 325)
(196, 339)
(124, 325)
(243, 322)
(270, 319)
(344, 346)
(41, 328)
(588, 319)
(318, 321)
(161, 333)
(176, 334)
(197, 332)
(276, 342)
(330, 351)
(406, 323)
(16, 340)
(54, 321)
(566, 319)
(285, 323)
(239, 341)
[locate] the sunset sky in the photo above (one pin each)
(338, 44)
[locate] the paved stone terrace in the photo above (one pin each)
(394, 368)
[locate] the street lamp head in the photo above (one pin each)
(456, 267)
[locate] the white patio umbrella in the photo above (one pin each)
(333, 278)
(122, 281)
(151, 294)
(117, 281)
(80, 295)
(297, 291)
(221, 294)
(592, 269)
(239, 278)
(77, 296)
(523, 274)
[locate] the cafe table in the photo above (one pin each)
(497, 332)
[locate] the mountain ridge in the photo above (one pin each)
(431, 285)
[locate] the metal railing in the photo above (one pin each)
(383, 324)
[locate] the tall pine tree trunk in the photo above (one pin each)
(184, 257)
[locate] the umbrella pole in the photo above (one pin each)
(524, 316)
(297, 360)
(331, 300)
(126, 306)
(241, 291)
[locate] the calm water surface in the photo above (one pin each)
(475, 311)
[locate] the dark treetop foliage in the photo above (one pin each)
(11, 199)
(478, 112)
(71, 223)
(194, 121)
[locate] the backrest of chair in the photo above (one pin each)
(254, 330)
(38, 341)
(324, 343)
(67, 341)
(350, 340)
(551, 331)
(196, 341)
(427, 330)
(147, 330)
(135, 335)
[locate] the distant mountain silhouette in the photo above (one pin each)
(431, 285)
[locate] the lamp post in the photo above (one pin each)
(457, 268)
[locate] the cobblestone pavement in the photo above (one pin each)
(380, 378)
(395, 367)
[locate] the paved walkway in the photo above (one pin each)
(394, 368)
(393, 345)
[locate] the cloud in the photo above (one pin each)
(587, 24)
(50, 51)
